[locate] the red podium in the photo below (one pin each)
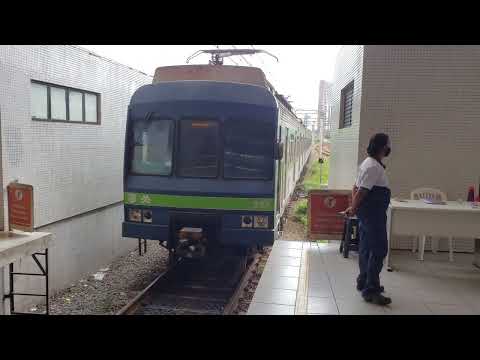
(324, 206)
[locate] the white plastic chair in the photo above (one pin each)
(432, 194)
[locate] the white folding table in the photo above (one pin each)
(415, 217)
(17, 245)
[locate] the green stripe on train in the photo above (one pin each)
(200, 202)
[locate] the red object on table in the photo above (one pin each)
(471, 194)
(478, 197)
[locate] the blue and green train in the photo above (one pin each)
(211, 147)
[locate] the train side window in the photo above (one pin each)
(198, 149)
(292, 153)
(279, 172)
(152, 146)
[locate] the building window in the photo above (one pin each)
(75, 104)
(91, 108)
(346, 106)
(39, 101)
(59, 103)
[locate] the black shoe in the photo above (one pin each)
(377, 299)
(360, 287)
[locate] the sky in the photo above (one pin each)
(297, 74)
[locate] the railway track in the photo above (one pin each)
(211, 286)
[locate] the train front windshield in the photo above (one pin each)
(152, 146)
(247, 148)
(198, 149)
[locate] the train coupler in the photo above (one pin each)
(192, 243)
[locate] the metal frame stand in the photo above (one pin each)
(140, 246)
(2, 289)
(476, 260)
(44, 272)
(349, 242)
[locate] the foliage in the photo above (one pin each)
(301, 211)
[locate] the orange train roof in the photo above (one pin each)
(225, 73)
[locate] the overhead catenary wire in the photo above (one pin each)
(218, 47)
(312, 114)
(264, 67)
(232, 60)
(243, 58)
(259, 57)
(229, 52)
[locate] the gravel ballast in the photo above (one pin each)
(120, 282)
(249, 290)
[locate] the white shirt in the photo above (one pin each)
(370, 174)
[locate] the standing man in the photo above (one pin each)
(370, 200)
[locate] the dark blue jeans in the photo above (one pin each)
(372, 251)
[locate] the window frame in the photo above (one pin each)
(67, 104)
(223, 159)
(131, 145)
(49, 103)
(83, 108)
(31, 100)
(279, 168)
(343, 93)
(177, 144)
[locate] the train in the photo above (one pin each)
(212, 156)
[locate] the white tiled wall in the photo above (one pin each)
(344, 151)
(74, 168)
(84, 244)
(323, 89)
(427, 98)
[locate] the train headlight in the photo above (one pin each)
(147, 216)
(135, 215)
(247, 221)
(260, 222)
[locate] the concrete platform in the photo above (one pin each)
(310, 278)
(18, 245)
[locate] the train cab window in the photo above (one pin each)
(248, 149)
(152, 146)
(198, 149)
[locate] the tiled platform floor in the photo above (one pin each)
(314, 278)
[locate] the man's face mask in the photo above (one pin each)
(388, 149)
